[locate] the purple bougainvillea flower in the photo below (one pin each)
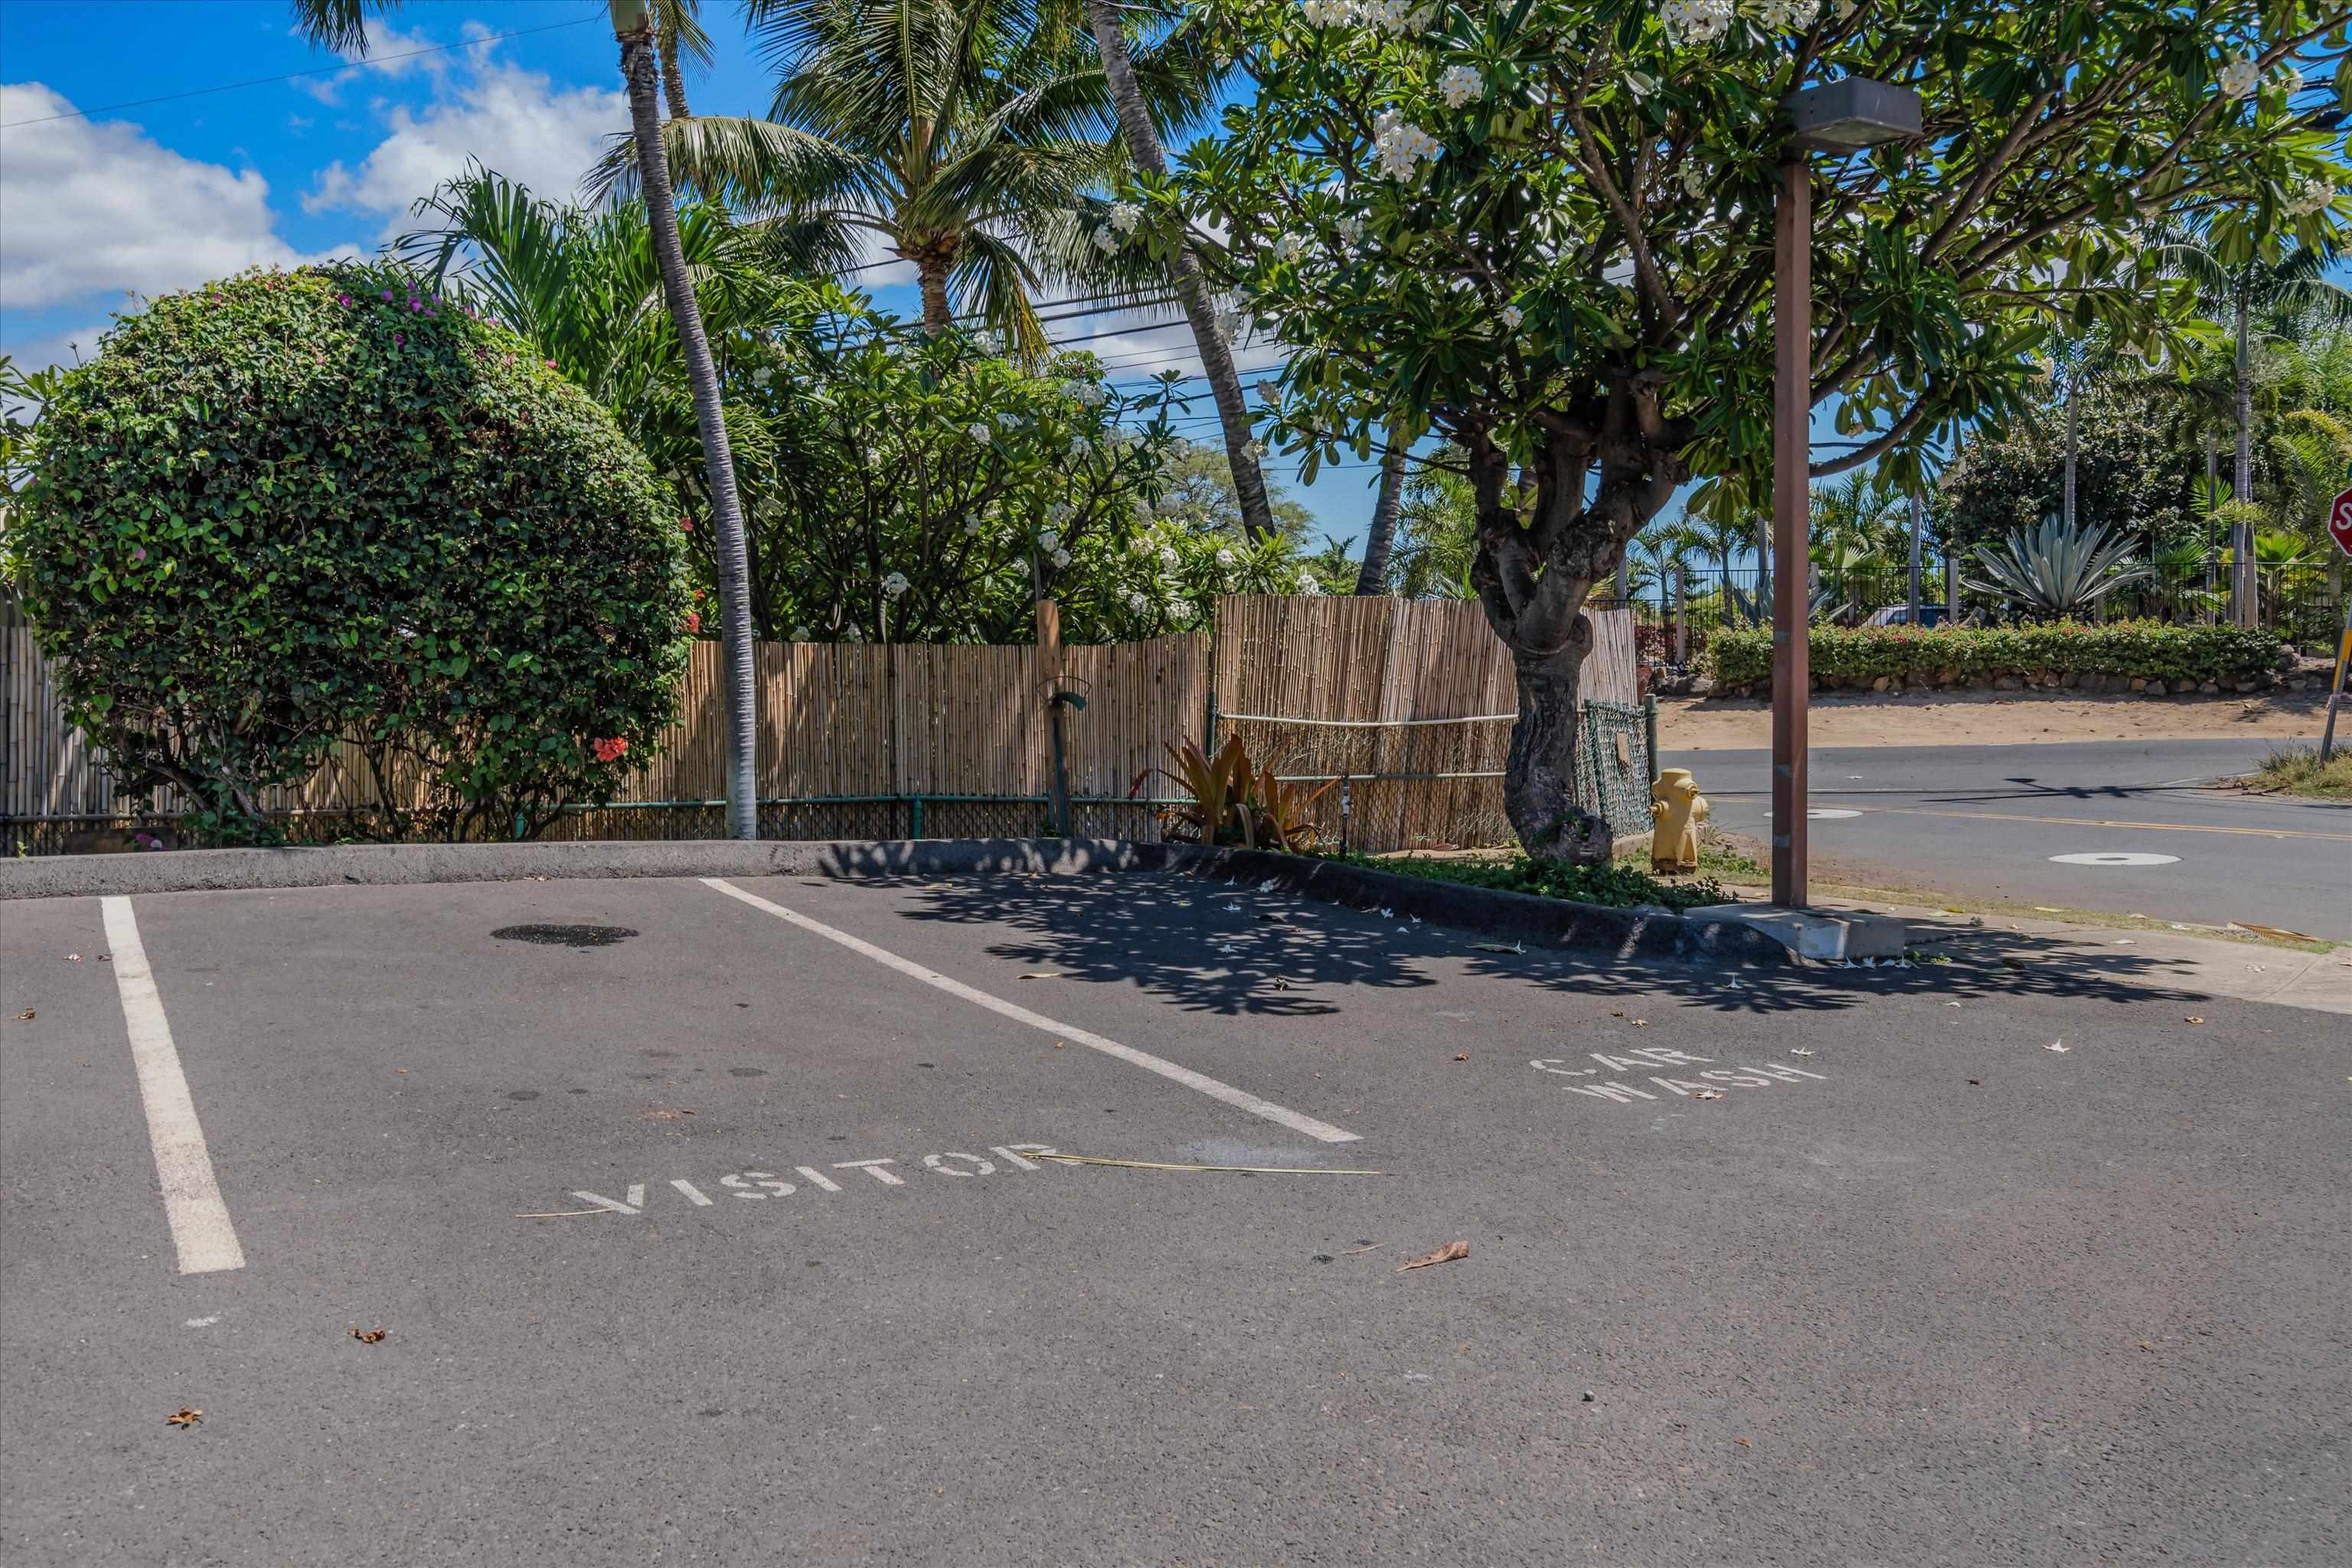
(343, 299)
(139, 553)
(387, 293)
(400, 340)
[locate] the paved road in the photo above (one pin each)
(1985, 821)
(1904, 1288)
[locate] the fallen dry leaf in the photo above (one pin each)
(73, 958)
(1498, 947)
(1042, 974)
(1976, 1082)
(188, 1417)
(370, 1336)
(2275, 932)
(1641, 1023)
(1708, 1094)
(25, 1017)
(2194, 1018)
(1462, 1056)
(1452, 1252)
(1741, 1441)
(663, 1113)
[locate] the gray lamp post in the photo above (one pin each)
(1836, 117)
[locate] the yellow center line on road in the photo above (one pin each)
(2101, 822)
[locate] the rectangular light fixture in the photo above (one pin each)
(1854, 113)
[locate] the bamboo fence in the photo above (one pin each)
(865, 740)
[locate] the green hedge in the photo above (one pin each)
(2126, 649)
(293, 507)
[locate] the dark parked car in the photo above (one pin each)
(1930, 616)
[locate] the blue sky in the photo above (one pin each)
(161, 195)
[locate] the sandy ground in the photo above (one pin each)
(1988, 718)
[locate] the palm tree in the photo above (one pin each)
(1379, 537)
(2236, 279)
(1200, 312)
(677, 30)
(963, 134)
(342, 25)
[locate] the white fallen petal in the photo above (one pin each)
(1870, 963)
(1800, 1051)
(1233, 908)
(2060, 1047)
(1268, 886)
(1387, 914)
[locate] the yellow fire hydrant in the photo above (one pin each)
(1678, 807)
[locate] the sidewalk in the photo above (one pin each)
(2251, 972)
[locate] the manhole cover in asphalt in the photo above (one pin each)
(565, 935)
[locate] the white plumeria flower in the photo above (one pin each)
(1124, 218)
(1168, 558)
(1078, 447)
(1008, 420)
(1695, 22)
(972, 526)
(1693, 180)
(1105, 240)
(2238, 77)
(1351, 229)
(1289, 248)
(1137, 602)
(2290, 81)
(1177, 609)
(1225, 558)
(1786, 16)
(1140, 545)
(1088, 396)
(1142, 514)
(979, 433)
(896, 585)
(1061, 558)
(761, 377)
(1459, 84)
(1171, 504)
(2312, 196)
(851, 634)
(800, 633)
(1254, 451)
(1061, 511)
(1401, 144)
(988, 342)
(1049, 542)
(1327, 13)
(1180, 448)
(1309, 585)
(1512, 317)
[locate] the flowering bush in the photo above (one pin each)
(1543, 231)
(294, 507)
(2122, 650)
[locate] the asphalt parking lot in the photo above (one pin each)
(1782, 1266)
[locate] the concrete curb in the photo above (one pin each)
(1513, 917)
(386, 865)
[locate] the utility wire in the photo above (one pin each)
(294, 76)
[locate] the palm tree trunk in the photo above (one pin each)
(2074, 447)
(673, 79)
(1216, 359)
(637, 68)
(931, 273)
(2241, 535)
(1380, 538)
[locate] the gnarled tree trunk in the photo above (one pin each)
(1533, 575)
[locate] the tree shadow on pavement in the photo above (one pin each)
(1209, 946)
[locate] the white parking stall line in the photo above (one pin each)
(1240, 1098)
(201, 1231)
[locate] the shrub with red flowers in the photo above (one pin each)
(295, 507)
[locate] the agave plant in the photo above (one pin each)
(1822, 605)
(2058, 571)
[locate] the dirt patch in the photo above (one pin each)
(1989, 719)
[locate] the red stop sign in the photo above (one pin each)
(2339, 523)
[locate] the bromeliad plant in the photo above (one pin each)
(1234, 803)
(1544, 228)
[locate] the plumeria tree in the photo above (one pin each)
(1544, 230)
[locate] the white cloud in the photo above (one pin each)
(516, 121)
(92, 209)
(76, 346)
(382, 55)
